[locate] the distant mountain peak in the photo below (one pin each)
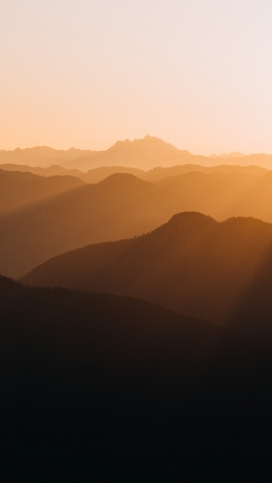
(147, 136)
(191, 217)
(147, 142)
(194, 215)
(185, 222)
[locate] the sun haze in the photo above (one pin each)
(87, 73)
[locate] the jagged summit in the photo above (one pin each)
(146, 142)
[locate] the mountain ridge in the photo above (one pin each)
(145, 154)
(192, 265)
(21, 189)
(123, 206)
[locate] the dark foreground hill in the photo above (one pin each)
(101, 345)
(18, 189)
(194, 265)
(68, 351)
(98, 383)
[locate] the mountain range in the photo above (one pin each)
(141, 322)
(145, 154)
(220, 272)
(96, 175)
(18, 189)
(121, 206)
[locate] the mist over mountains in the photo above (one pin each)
(121, 206)
(220, 272)
(135, 273)
(121, 231)
(96, 175)
(18, 189)
(145, 154)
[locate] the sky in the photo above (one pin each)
(86, 73)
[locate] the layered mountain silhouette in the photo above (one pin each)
(123, 206)
(19, 189)
(157, 174)
(141, 153)
(96, 175)
(146, 153)
(53, 170)
(194, 265)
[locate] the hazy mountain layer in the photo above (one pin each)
(123, 206)
(53, 170)
(220, 196)
(156, 174)
(19, 189)
(146, 153)
(217, 271)
(43, 156)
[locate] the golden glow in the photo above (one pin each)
(86, 73)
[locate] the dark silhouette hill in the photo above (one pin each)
(121, 206)
(109, 360)
(192, 264)
(19, 189)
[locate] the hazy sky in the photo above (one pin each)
(85, 73)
